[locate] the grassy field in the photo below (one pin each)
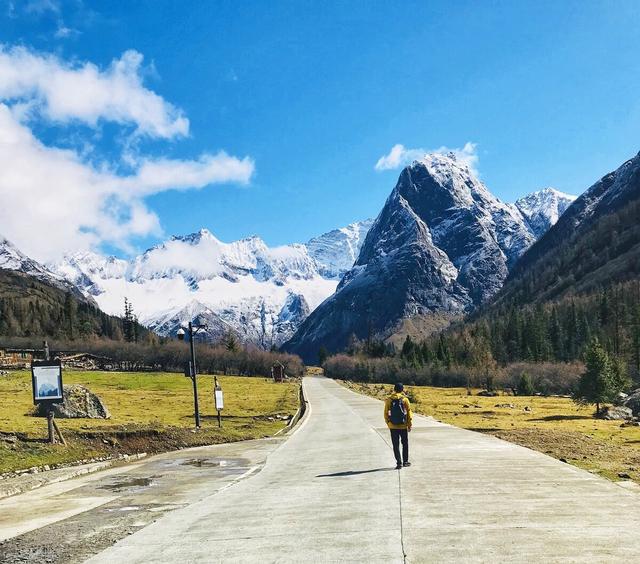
(554, 425)
(150, 412)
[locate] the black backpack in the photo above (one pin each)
(398, 412)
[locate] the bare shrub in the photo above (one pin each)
(548, 378)
(172, 356)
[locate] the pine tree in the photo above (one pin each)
(323, 354)
(408, 348)
(556, 336)
(230, 342)
(425, 352)
(128, 322)
(353, 345)
(525, 385)
(597, 384)
(70, 310)
(443, 355)
(619, 376)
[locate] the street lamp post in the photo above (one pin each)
(193, 330)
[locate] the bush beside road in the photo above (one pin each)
(150, 412)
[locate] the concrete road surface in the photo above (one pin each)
(329, 493)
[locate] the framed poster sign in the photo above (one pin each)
(46, 378)
(219, 399)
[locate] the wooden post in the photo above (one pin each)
(58, 432)
(50, 415)
(51, 421)
(50, 425)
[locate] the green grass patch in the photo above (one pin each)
(150, 412)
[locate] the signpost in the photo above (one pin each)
(218, 399)
(46, 381)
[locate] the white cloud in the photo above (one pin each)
(399, 156)
(162, 174)
(53, 202)
(63, 31)
(63, 93)
(42, 6)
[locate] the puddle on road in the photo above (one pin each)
(127, 483)
(126, 508)
(204, 462)
(226, 465)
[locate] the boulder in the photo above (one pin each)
(633, 402)
(616, 412)
(488, 393)
(621, 397)
(79, 402)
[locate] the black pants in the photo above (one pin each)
(398, 435)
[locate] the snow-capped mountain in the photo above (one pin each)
(442, 243)
(609, 194)
(11, 258)
(336, 251)
(260, 293)
(543, 208)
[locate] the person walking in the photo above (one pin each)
(398, 416)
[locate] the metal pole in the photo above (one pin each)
(50, 414)
(193, 376)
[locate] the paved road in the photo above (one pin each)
(72, 520)
(330, 493)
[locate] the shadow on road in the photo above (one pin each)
(353, 472)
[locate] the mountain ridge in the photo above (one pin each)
(263, 294)
(260, 293)
(441, 244)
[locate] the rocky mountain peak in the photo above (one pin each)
(259, 292)
(543, 208)
(442, 243)
(11, 258)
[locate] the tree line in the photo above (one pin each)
(552, 332)
(168, 355)
(30, 308)
(535, 349)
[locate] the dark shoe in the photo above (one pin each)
(407, 463)
(398, 466)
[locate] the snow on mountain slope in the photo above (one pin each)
(608, 195)
(543, 208)
(468, 238)
(442, 244)
(336, 251)
(11, 258)
(261, 293)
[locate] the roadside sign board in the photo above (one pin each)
(219, 399)
(46, 380)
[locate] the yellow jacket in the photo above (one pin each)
(387, 409)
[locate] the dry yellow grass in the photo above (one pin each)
(554, 425)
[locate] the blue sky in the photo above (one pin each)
(304, 98)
